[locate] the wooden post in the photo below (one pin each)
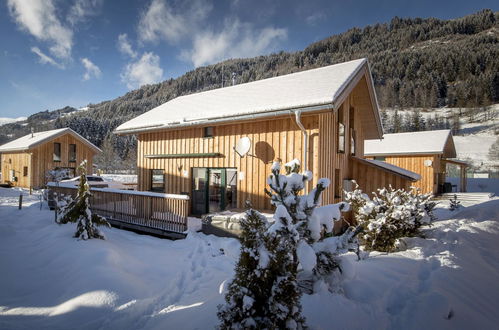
(20, 201)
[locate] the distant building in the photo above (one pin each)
(320, 116)
(26, 161)
(426, 153)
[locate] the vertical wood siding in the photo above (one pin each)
(415, 163)
(271, 139)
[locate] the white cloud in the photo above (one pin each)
(145, 70)
(44, 58)
(160, 22)
(81, 9)
(235, 40)
(38, 17)
(125, 47)
(91, 70)
(315, 18)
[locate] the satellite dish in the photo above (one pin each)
(428, 162)
(243, 146)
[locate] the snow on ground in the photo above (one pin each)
(132, 281)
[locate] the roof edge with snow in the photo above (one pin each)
(348, 75)
(406, 174)
(23, 143)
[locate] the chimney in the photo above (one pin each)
(32, 131)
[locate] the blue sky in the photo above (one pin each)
(55, 53)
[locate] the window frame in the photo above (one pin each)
(57, 156)
(152, 184)
(70, 153)
(341, 133)
(208, 132)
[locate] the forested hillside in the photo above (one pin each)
(424, 63)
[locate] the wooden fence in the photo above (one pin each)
(157, 213)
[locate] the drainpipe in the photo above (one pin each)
(305, 143)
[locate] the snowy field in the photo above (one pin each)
(52, 281)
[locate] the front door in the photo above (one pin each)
(213, 189)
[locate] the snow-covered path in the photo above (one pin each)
(51, 281)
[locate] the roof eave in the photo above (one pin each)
(227, 119)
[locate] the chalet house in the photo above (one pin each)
(425, 153)
(190, 145)
(26, 161)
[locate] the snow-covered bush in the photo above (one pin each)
(78, 210)
(265, 291)
(390, 215)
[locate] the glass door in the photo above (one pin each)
(199, 190)
(216, 189)
(213, 189)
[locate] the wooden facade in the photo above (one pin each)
(430, 167)
(192, 151)
(30, 166)
(276, 138)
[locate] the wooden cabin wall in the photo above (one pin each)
(329, 157)
(271, 139)
(43, 158)
(16, 161)
(370, 178)
(415, 163)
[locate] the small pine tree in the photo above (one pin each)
(78, 210)
(247, 296)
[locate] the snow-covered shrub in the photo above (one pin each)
(454, 203)
(78, 210)
(390, 215)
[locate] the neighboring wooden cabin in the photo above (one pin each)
(320, 116)
(26, 161)
(426, 153)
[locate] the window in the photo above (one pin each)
(158, 181)
(72, 153)
(337, 183)
(352, 130)
(208, 131)
(381, 158)
(341, 131)
(352, 142)
(57, 152)
(25, 171)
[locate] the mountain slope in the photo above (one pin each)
(423, 63)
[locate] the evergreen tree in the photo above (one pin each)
(265, 293)
(396, 122)
(78, 210)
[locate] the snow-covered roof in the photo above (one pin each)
(391, 168)
(426, 142)
(312, 90)
(32, 140)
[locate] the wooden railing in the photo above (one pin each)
(163, 212)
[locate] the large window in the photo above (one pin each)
(57, 152)
(341, 131)
(337, 183)
(158, 181)
(72, 153)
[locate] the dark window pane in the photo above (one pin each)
(157, 181)
(72, 153)
(57, 152)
